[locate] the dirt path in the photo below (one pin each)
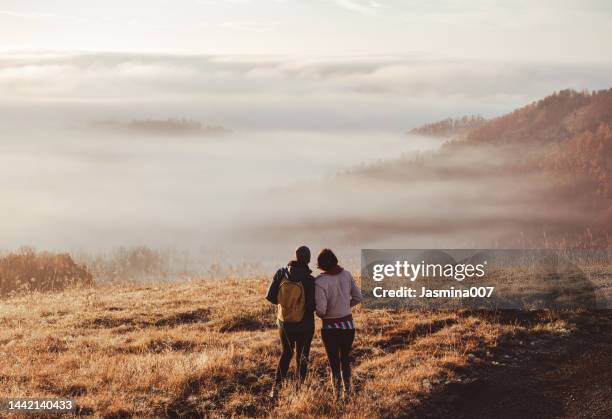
(541, 376)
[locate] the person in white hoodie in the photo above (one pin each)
(335, 293)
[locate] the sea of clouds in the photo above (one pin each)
(66, 184)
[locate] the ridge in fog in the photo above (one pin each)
(539, 176)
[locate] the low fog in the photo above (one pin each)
(468, 197)
(279, 178)
(86, 189)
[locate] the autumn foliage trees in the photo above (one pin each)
(566, 136)
(587, 155)
(27, 270)
(555, 118)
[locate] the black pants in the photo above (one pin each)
(290, 341)
(338, 344)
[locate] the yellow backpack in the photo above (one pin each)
(291, 301)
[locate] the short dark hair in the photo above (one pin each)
(302, 254)
(327, 260)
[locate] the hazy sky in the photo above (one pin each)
(554, 30)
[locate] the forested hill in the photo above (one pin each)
(561, 116)
(575, 129)
(537, 177)
(568, 132)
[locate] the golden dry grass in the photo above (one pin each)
(210, 348)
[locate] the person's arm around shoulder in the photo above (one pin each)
(356, 296)
(320, 298)
(272, 295)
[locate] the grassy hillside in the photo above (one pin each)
(210, 348)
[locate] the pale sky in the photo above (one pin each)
(542, 30)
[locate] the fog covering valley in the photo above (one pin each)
(95, 190)
(472, 197)
(318, 153)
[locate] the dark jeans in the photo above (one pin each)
(290, 341)
(338, 343)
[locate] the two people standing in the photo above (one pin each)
(298, 296)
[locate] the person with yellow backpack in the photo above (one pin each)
(293, 291)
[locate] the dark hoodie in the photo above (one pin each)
(297, 272)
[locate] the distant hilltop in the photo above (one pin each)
(570, 132)
(562, 116)
(450, 127)
(168, 126)
(558, 118)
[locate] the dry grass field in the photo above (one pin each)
(209, 348)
